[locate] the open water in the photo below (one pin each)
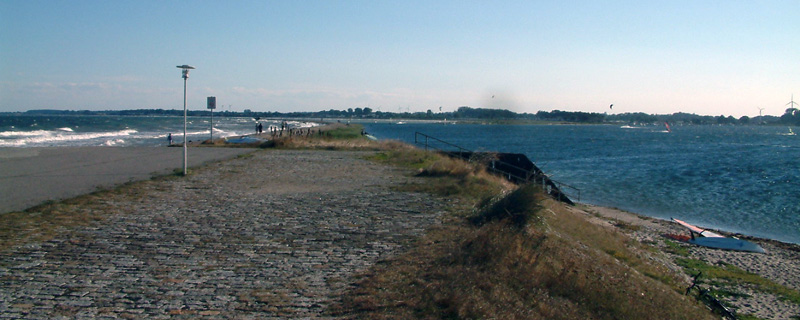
(60, 130)
(743, 179)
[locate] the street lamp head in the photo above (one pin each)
(186, 69)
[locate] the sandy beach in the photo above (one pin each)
(277, 234)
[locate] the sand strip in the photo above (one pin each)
(30, 176)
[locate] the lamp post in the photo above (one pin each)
(186, 69)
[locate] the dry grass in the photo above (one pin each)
(519, 256)
(43, 222)
(454, 178)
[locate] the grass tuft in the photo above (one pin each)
(519, 207)
(452, 178)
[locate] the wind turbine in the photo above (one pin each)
(760, 110)
(792, 105)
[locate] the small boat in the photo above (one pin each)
(710, 239)
(790, 133)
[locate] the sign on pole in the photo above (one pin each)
(212, 104)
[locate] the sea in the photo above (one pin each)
(125, 131)
(743, 179)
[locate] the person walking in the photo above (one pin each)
(169, 138)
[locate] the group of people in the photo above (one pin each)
(274, 130)
(278, 130)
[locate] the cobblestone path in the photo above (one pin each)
(276, 235)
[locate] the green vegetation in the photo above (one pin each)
(724, 275)
(676, 249)
(329, 137)
(346, 132)
(747, 317)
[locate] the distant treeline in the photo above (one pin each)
(790, 117)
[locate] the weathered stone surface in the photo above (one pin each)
(276, 235)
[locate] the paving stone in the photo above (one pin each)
(248, 238)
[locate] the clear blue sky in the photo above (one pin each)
(704, 57)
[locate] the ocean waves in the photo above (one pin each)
(61, 137)
(122, 131)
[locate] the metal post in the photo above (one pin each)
(185, 143)
(211, 104)
(185, 74)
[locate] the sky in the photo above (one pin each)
(705, 57)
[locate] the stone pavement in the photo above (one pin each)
(276, 235)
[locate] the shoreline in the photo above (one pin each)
(786, 244)
(780, 263)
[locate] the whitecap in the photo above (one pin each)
(33, 133)
(60, 137)
(12, 143)
(113, 142)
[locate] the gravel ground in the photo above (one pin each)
(275, 235)
(781, 262)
